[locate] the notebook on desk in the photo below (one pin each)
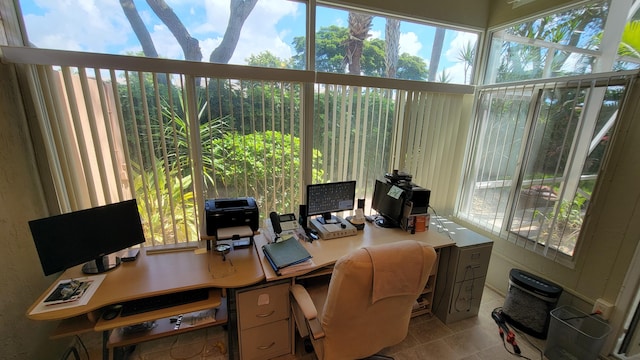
(285, 253)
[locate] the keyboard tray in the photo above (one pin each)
(163, 301)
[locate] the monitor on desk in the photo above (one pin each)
(87, 236)
(324, 199)
(389, 208)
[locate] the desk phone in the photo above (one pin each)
(288, 222)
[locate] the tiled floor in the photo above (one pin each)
(471, 339)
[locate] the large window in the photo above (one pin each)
(255, 32)
(362, 43)
(538, 145)
(172, 133)
(536, 158)
(566, 43)
(268, 33)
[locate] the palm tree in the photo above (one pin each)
(630, 42)
(392, 47)
(359, 27)
(467, 55)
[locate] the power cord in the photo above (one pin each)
(86, 351)
(469, 291)
(441, 227)
(507, 335)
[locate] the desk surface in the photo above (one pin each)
(327, 252)
(161, 273)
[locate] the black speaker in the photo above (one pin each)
(360, 203)
(302, 216)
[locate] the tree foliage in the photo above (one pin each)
(575, 28)
(330, 50)
(261, 156)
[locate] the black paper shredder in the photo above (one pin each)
(529, 302)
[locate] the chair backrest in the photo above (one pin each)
(356, 322)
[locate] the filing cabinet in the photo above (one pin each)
(461, 275)
(264, 326)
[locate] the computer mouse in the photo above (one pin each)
(111, 312)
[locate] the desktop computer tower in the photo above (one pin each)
(419, 198)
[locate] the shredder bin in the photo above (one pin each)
(529, 301)
(574, 335)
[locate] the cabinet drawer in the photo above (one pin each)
(473, 262)
(263, 305)
(265, 342)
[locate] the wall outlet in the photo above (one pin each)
(604, 308)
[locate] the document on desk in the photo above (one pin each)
(69, 293)
(285, 253)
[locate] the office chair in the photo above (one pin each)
(367, 304)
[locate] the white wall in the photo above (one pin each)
(21, 277)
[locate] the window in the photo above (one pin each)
(361, 43)
(538, 145)
(261, 34)
(172, 133)
(265, 33)
(555, 45)
(537, 153)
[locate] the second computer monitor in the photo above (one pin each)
(327, 198)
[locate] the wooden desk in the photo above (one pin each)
(162, 273)
(326, 252)
(151, 275)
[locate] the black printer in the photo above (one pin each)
(231, 212)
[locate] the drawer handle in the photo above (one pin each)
(266, 315)
(266, 347)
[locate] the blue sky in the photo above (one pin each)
(100, 26)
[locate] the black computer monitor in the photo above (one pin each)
(389, 208)
(87, 236)
(324, 199)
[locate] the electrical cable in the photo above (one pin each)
(441, 227)
(529, 342)
(86, 351)
(469, 292)
(506, 334)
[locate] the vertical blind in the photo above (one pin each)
(127, 127)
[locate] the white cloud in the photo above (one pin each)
(78, 25)
(458, 43)
(100, 26)
(409, 43)
(166, 45)
(260, 33)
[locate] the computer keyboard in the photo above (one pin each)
(163, 301)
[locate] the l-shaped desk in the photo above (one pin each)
(257, 299)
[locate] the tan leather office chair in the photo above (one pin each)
(367, 304)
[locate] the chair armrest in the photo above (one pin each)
(302, 297)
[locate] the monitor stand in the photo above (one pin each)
(338, 229)
(327, 218)
(101, 264)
